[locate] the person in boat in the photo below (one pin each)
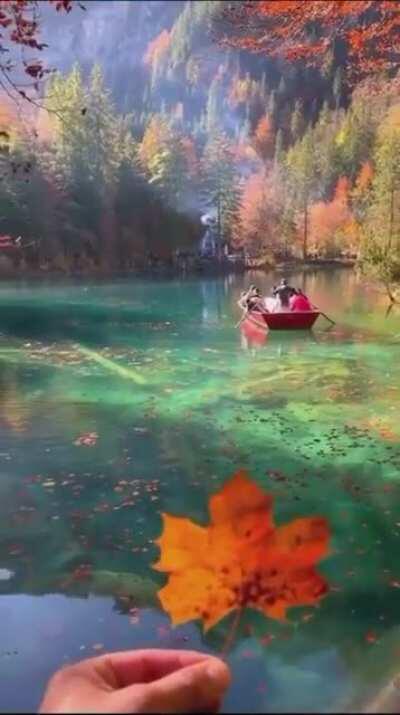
(255, 301)
(283, 292)
(251, 299)
(245, 296)
(299, 301)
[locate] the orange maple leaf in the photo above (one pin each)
(241, 559)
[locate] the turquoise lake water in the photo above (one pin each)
(121, 400)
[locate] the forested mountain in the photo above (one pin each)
(160, 112)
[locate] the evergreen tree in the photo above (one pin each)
(384, 213)
(278, 155)
(220, 185)
(337, 87)
(302, 180)
(297, 122)
(214, 105)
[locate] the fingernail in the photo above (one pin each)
(218, 674)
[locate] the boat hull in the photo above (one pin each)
(296, 320)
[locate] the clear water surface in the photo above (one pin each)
(123, 399)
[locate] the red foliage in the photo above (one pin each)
(21, 26)
(299, 30)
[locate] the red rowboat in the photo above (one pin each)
(297, 320)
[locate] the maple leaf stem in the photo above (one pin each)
(231, 634)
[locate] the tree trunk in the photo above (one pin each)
(391, 219)
(219, 227)
(305, 234)
(108, 232)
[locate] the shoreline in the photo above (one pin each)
(165, 271)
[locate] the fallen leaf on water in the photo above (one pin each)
(88, 439)
(266, 640)
(371, 637)
(307, 617)
(248, 654)
(241, 559)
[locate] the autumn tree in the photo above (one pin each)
(263, 139)
(164, 157)
(155, 55)
(21, 25)
(257, 229)
(331, 229)
(309, 31)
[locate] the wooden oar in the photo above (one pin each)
(324, 315)
(245, 314)
(327, 317)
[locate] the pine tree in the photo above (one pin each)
(297, 122)
(380, 250)
(385, 209)
(278, 154)
(214, 105)
(219, 185)
(337, 87)
(302, 180)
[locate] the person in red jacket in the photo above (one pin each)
(299, 302)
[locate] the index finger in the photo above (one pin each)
(148, 664)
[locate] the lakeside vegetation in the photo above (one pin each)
(291, 161)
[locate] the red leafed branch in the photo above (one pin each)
(20, 27)
(306, 30)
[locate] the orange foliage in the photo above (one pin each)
(156, 137)
(157, 47)
(241, 559)
(257, 227)
(332, 226)
(244, 152)
(242, 90)
(263, 139)
(369, 28)
(365, 176)
(342, 190)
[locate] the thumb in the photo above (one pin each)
(196, 688)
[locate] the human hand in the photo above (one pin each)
(141, 681)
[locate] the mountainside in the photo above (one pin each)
(156, 54)
(164, 129)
